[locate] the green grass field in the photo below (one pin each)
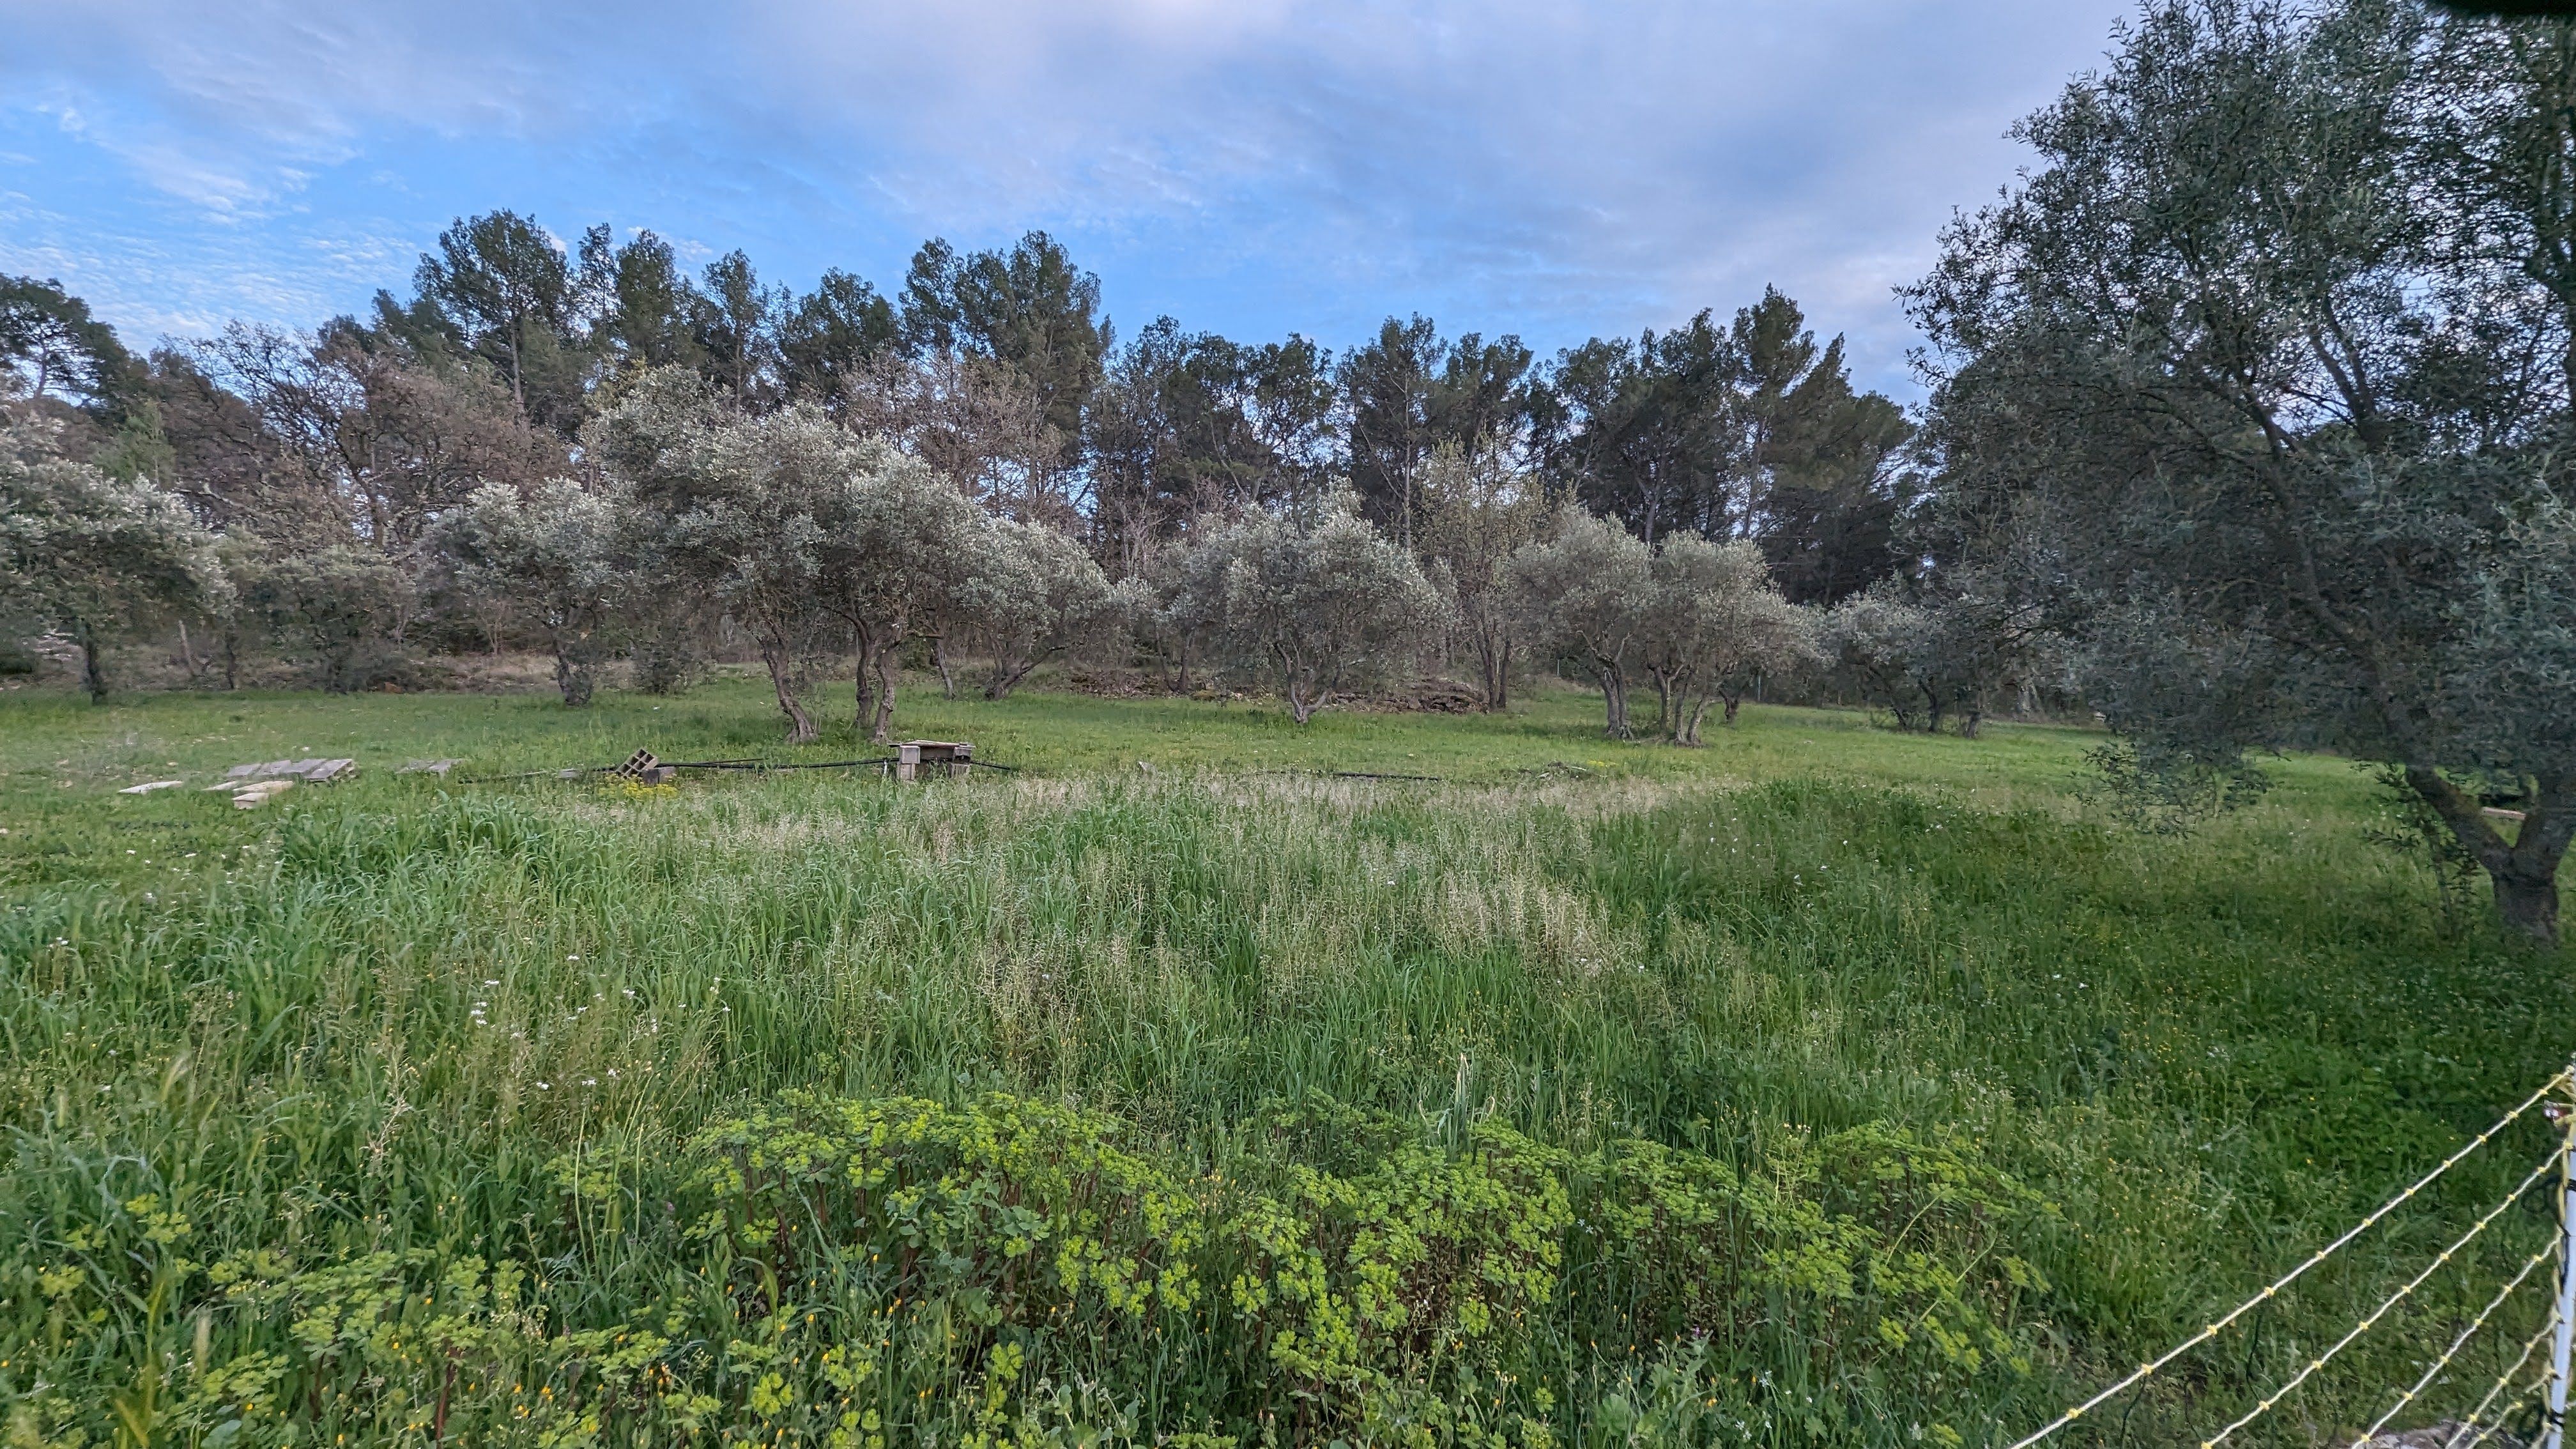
(1823, 1086)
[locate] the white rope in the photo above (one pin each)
(2357, 1229)
(2543, 1256)
(2502, 1379)
(2491, 1430)
(2391, 1301)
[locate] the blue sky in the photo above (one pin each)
(1251, 167)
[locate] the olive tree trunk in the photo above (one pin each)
(886, 670)
(1299, 684)
(573, 679)
(574, 674)
(188, 658)
(1007, 674)
(1613, 678)
(2523, 870)
(1688, 734)
(781, 660)
(874, 680)
(1672, 695)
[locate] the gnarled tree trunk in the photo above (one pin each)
(1007, 674)
(885, 694)
(188, 659)
(873, 681)
(1688, 734)
(782, 678)
(2529, 906)
(2523, 870)
(1297, 683)
(1614, 698)
(1672, 691)
(573, 673)
(573, 679)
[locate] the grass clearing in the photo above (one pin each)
(1824, 1086)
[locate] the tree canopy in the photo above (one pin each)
(95, 556)
(2272, 359)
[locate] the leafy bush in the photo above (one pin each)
(891, 1270)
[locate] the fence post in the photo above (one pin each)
(2554, 1427)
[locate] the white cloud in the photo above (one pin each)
(1555, 167)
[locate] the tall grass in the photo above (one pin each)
(1596, 1111)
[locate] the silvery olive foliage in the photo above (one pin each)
(1716, 623)
(337, 613)
(902, 548)
(564, 556)
(1034, 595)
(748, 506)
(1588, 590)
(1697, 619)
(2268, 365)
(92, 556)
(1315, 604)
(1935, 651)
(823, 543)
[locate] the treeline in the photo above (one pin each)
(2250, 430)
(592, 449)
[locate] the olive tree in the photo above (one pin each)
(818, 541)
(1313, 603)
(1032, 595)
(1588, 587)
(1716, 621)
(900, 546)
(563, 556)
(770, 495)
(2276, 348)
(340, 611)
(1928, 655)
(1882, 643)
(93, 556)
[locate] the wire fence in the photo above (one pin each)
(2477, 1422)
(2546, 1386)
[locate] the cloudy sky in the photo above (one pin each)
(1250, 166)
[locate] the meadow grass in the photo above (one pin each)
(1824, 1086)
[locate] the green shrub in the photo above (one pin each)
(875, 1271)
